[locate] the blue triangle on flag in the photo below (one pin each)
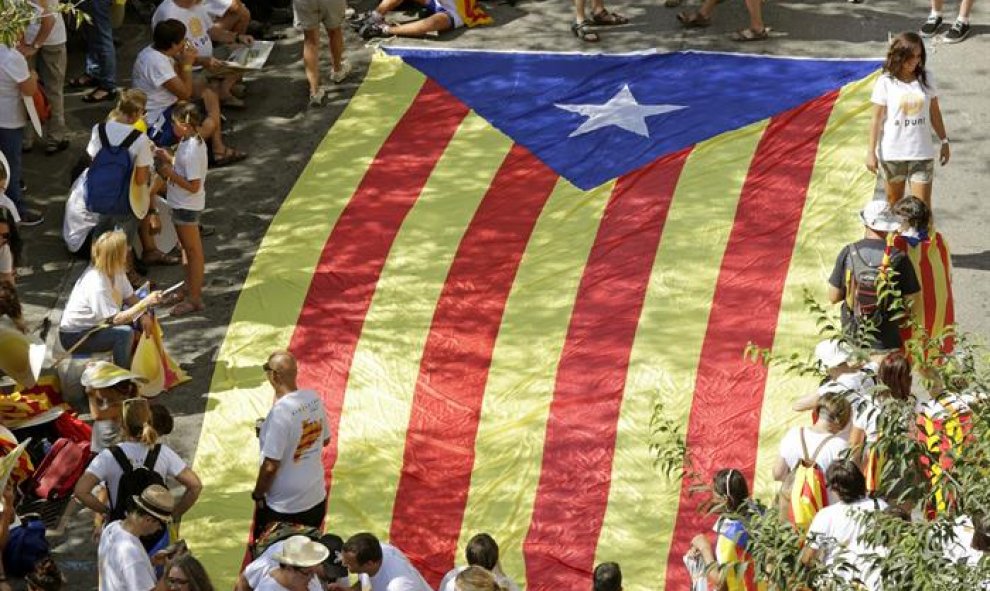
(592, 118)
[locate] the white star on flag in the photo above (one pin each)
(621, 110)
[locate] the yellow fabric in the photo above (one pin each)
(533, 328)
(152, 362)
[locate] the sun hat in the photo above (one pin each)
(301, 551)
(103, 374)
(156, 501)
(832, 353)
(878, 216)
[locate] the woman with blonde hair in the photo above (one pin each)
(139, 447)
(475, 578)
(102, 307)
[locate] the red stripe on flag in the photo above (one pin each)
(927, 279)
(439, 455)
(344, 282)
(580, 439)
(950, 306)
(724, 424)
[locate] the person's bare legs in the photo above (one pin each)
(707, 9)
(212, 131)
(755, 9)
(192, 255)
(579, 13)
(311, 58)
(895, 191)
(434, 22)
(336, 48)
(922, 191)
(387, 6)
(236, 19)
(965, 7)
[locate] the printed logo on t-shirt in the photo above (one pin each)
(195, 27)
(911, 106)
(311, 431)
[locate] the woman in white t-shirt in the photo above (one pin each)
(905, 112)
(139, 438)
(185, 175)
(821, 442)
(102, 305)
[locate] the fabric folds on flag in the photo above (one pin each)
(491, 304)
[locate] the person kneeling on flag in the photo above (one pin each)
(442, 15)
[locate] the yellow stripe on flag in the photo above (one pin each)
(378, 401)
(838, 189)
(266, 313)
(665, 354)
(509, 445)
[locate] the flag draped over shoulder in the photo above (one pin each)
(473, 14)
(508, 261)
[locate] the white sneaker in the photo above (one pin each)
(337, 76)
(318, 98)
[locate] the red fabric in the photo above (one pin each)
(57, 474)
(69, 426)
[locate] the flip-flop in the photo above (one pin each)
(186, 307)
(84, 81)
(108, 96)
(230, 156)
(606, 18)
(693, 20)
(157, 258)
(746, 35)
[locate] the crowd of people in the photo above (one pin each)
(147, 164)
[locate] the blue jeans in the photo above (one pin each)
(101, 57)
(10, 144)
(118, 339)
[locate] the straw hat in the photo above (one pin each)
(156, 501)
(103, 374)
(302, 552)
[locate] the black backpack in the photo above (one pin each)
(864, 285)
(108, 183)
(134, 480)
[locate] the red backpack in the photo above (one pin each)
(56, 476)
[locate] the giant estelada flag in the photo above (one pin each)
(498, 265)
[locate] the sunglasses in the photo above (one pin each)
(267, 368)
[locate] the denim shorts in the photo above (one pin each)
(185, 217)
(912, 171)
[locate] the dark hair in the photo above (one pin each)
(10, 304)
(731, 484)
(981, 532)
(167, 33)
(46, 576)
(14, 241)
(194, 571)
(608, 577)
(161, 419)
(901, 50)
(845, 479)
(895, 374)
(482, 551)
(365, 547)
(917, 214)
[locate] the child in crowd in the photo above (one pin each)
(185, 176)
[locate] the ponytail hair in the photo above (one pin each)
(188, 114)
(137, 421)
(475, 578)
(731, 484)
(130, 105)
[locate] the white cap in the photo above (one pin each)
(832, 353)
(878, 216)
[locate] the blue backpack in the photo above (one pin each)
(108, 182)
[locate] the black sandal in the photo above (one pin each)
(583, 32)
(100, 95)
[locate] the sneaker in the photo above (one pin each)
(337, 76)
(318, 98)
(31, 217)
(931, 26)
(957, 33)
(370, 30)
(53, 146)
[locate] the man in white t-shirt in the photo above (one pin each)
(836, 530)
(124, 564)
(164, 71)
(381, 567)
(201, 32)
(333, 570)
(290, 485)
(482, 551)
